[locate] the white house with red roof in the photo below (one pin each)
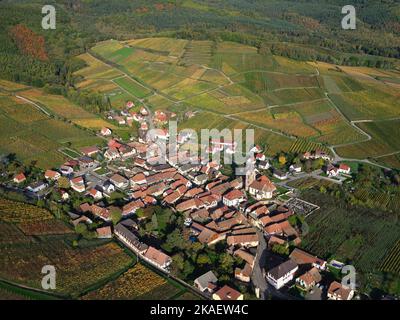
(104, 232)
(52, 175)
(332, 171)
(337, 291)
(227, 293)
(105, 131)
(19, 178)
(144, 112)
(158, 258)
(262, 188)
(260, 157)
(344, 168)
(130, 104)
(234, 198)
(160, 117)
(89, 151)
(95, 194)
(78, 184)
(144, 126)
(119, 181)
(66, 170)
(162, 134)
(111, 154)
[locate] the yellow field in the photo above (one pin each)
(288, 122)
(293, 66)
(57, 104)
(11, 86)
(137, 283)
(229, 47)
(96, 69)
(175, 47)
(94, 123)
(107, 47)
(365, 71)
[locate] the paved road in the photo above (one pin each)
(258, 278)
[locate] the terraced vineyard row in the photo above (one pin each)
(391, 263)
(301, 146)
(375, 198)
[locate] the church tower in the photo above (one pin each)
(250, 172)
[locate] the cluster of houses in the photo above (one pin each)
(331, 170)
(127, 116)
(208, 284)
(306, 271)
(334, 171)
(216, 208)
(302, 269)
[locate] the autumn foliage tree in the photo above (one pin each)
(28, 42)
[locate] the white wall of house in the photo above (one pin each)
(279, 283)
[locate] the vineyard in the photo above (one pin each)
(377, 198)
(48, 227)
(18, 212)
(10, 234)
(77, 269)
(351, 234)
(30, 238)
(391, 263)
(226, 78)
(301, 146)
(138, 283)
(308, 183)
(29, 219)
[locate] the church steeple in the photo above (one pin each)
(250, 172)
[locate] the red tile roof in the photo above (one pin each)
(228, 293)
(20, 177)
(157, 256)
(234, 194)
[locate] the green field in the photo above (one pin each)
(132, 87)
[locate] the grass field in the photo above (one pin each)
(308, 183)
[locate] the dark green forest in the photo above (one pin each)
(298, 29)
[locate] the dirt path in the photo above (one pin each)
(34, 104)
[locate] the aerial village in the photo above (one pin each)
(244, 212)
